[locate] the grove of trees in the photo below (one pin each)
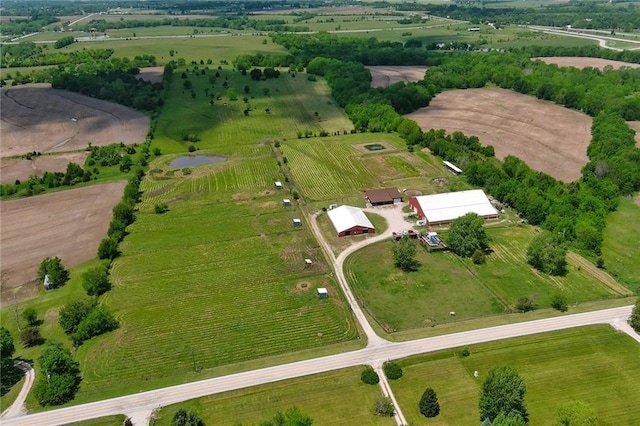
(467, 235)
(404, 254)
(548, 253)
(60, 376)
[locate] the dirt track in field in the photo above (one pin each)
(635, 125)
(549, 138)
(22, 169)
(151, 74)
(383, 76)
(36, 117)
(68, 224)
(582, 62)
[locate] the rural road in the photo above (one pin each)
(18, 408)
(375, 355)
(602, 40)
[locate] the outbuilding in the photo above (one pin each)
(286, 202)
(297, 222)
(348, 220)
(441, 209)
(323, 293)
(47, 282)
(279, 185)
(380, 197)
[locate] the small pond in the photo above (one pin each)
(195, 160)
(375, 147)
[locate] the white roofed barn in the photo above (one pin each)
(440, 209)
(348, 220)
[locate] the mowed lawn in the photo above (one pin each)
(278, 108)
(621, 246)
(593, 364)
(447, 283)
(335, 398)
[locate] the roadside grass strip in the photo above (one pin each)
(334, 398)
(555, 366)
(621, 246)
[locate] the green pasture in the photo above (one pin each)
(217, 280)
(217, 47)
(292, 103)
(446, 283)
(594, 364)
(333, 398)
(621, 246)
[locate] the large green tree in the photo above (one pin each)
(7, 348)
(429, 406)
(59, 376)
(73, 313)
(503, 392)
(404, 255)
(635, 316)
(576, 413)
(53, 267)
(547, 253)
(466, 235)
(96, 281)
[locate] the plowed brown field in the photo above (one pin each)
(383, 76)
(19, 168)
(582, 62)
(36, 117)
(549, 138)
(68, 224)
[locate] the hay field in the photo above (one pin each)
(549, 138)
(583, 62)
(36, 117)
(383, 76)
(20, 168)
(68, 224)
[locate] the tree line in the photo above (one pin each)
(29, 54)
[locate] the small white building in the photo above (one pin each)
(297, 222)
(279, 185)
(286, 202)
(308, 263)
(47, 282)
(452, 167)
(323, 293)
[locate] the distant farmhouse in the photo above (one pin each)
(380, 197)
(440, 209)
(349, 220)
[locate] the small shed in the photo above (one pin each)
(279, 185)
(308, 263)
(286, 202)
(47, 282)
(297, 222)
(323, 293)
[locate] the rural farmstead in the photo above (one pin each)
(440, 209)
(379, 197)
(349, 220)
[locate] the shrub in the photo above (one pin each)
(108, 249)
(31, 337)
(95, 281)
(634, 321)
(384, 406)
(73, 313)
(369, 376)
(526, 303)
(30, 316)
(161, 208)
(186, 418)
(466, 352)
(478, 257)
(392, 370)
(429, 406)
(559, 302)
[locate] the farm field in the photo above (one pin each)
(39, 226)
(21, 169)
(334, 398)
(190, 48)
(291, 101)
(555, 367)
(619, 251)
(446, 283)
(514, 124)
(35, 117)
(383, 76)
(565, 61)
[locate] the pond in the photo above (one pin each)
(375, 147)
(195, 160)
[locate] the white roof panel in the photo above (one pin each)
(452, 205)
(346, 217)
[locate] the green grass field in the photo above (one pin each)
(448, 283)
(594, 364)
(102, 421)
(334, 398)
(621, 257)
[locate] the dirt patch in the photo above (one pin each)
(68, 224)
(441, 181)
(151, 74)
(241, 196)
(35, 117)
(549, 138)
(412, 193)
(636, 200)
(383, 76)
(635, 125)
(18, 168)
(268, 205)
(569, 61)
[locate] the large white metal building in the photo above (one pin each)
(348, 220)
(440, 209)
